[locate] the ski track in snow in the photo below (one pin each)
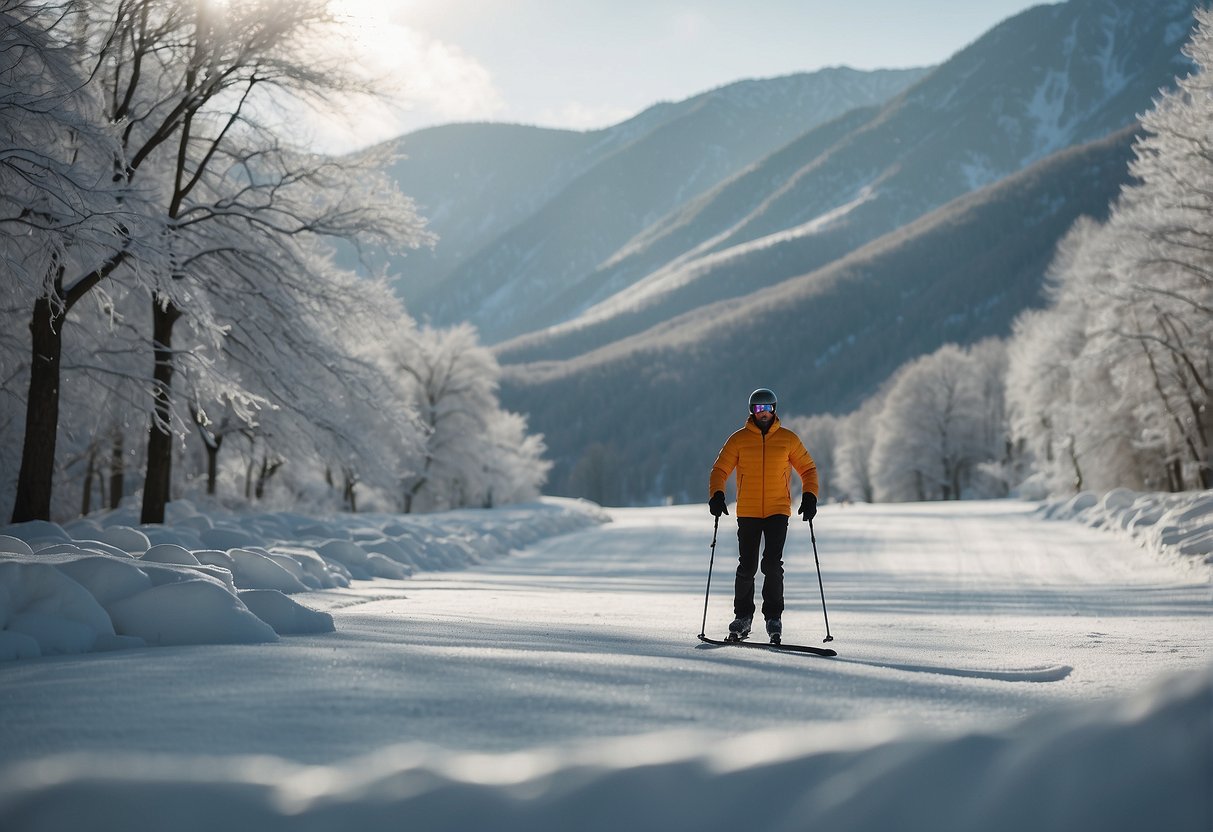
(1049, 673)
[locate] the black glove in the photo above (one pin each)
(808, 506)
(717, 505)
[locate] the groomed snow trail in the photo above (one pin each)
(944, 616)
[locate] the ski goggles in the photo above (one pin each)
(763, 408)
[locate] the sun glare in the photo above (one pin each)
(413, 71)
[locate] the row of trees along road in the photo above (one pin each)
(1107, 386)
(1110, 384)
(169, 251)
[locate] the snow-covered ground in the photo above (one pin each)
(996, 670)
(107, 583)
(1175, 527)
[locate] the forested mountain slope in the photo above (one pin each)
(647, 414)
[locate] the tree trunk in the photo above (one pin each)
(159, 436)
(212, 464)
(262, 476)
(212, 442)
(412, 491)
(268, 470)
(34, 481)
(350, 497)
(90, 469)
(1175, 476)
(117, 470)
(1074, 462)
(33, 501)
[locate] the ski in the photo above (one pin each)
(793, 648)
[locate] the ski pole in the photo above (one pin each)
(703, 629)
(820, 586)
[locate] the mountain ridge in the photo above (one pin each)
(866, 183)
(655, 398)
(631, 307)
(579, 213)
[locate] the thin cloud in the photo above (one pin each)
(421, 80)
(577, 115)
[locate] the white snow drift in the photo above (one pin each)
(540, 691)
(1135, 765)
(104, 583)
(1171, 525)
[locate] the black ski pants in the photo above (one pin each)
(751, 532)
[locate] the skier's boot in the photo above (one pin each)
(739, 629)
(775, 630)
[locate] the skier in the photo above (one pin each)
(763, 454)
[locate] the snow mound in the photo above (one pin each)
(189, 612)
(43, 604)
(224, 579)
(125, 538)
(170, 553)
(14, 546)
(1139, 764)
(256, 571)
(1178, 526)
(107, 579)
(286, 616)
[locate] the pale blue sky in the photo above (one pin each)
(589, 63)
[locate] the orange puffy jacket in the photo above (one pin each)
(764, 469)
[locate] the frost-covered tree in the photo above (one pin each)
(66, 225)
(1165, 277)
(307, 350)
(1063, 401)
(999, 467)
(1122, 398)
(474, 453)
(196, 86)
(452, 382)
(928, 435)
(513, 468)
(855, 435)
(153, 123)
(104, 392)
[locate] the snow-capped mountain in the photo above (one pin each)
(653, 409)
(1049, 78)
(525, 213)
(820, 265)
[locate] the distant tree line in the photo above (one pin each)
(173, 320)
(1108, 386)
(936, 431)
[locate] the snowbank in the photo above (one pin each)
(1171, 525)
(105, 582)
(1145, 763)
